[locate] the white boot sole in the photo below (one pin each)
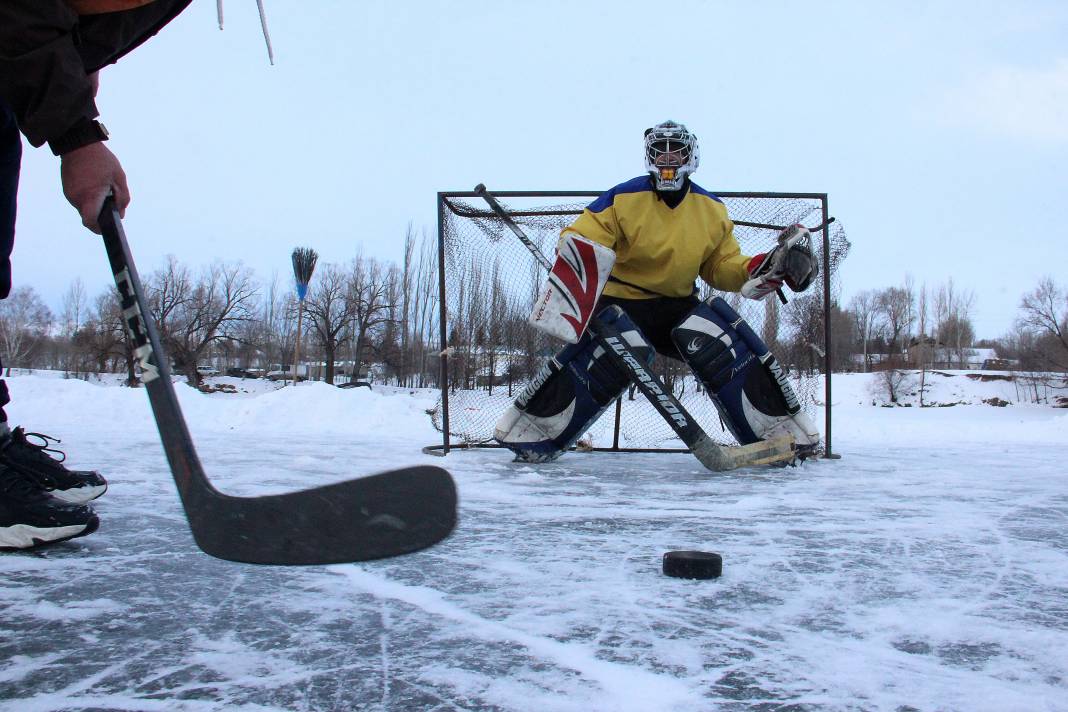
(79, 495)
(24, 536)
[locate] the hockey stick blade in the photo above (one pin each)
(386, 514)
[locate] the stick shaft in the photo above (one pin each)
(296, 346)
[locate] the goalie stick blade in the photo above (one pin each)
(720, 458)
(383, 515)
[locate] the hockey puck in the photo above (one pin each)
(693, 564)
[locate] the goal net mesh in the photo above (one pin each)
(491, 281)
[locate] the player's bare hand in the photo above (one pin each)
(89, 174)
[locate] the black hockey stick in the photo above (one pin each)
(374, 517)
(765, 226)
(713, 456)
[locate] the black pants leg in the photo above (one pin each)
(10, 161)
(655, 317)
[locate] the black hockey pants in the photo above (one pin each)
(655, 317)
(10, 160)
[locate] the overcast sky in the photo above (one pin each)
(938, 129)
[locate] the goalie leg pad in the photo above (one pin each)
(567, 396)
(745, 381)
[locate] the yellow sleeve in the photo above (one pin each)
(601, 227)
(726, 269)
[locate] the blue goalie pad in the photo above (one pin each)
(748, 386)
(568, 394)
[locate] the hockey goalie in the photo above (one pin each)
(632, 258)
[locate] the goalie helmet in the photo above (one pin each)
(671, 154)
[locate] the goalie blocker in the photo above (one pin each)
(573, 286)
(745, 381)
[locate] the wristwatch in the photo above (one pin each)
(83, 134)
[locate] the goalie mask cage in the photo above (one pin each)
(488, 283)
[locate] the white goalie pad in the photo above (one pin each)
(579, 274)
(766, 426)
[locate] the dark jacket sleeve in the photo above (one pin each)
(47, 52)
(42, 76)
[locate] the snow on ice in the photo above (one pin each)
(925, 570)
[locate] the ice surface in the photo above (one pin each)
(925, 570)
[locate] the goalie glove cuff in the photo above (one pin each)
(762, 281)
(754, 263)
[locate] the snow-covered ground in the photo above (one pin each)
(925, 570)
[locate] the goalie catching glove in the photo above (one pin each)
(790, 261)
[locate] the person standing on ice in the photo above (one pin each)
(50, 53)
(632, 258)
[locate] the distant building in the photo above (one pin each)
(939, 355)
(973, 359)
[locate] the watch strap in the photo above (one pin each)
(83, 133)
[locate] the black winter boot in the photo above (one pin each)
(30, 516)
(33, 460)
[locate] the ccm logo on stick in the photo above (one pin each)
(135, 323)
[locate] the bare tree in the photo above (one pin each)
(368, 294)
(330, 313)
(893, 383)
(75, 312)
(103, 339)
(770, 331)
(867, 318)
(953, 326)
(923, 343)
(1044, 313)
(24, 319)
(425, 310)
(277, 324)
(804, 319)
(895, 305)
(420, 310)
(407, 280)
(193, 315)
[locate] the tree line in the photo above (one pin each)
(373, 311)
(356, 313)
(910, 326)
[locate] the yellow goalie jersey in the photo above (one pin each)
(660, 250)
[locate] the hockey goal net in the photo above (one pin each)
(488, 283)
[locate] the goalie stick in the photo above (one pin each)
(715, 457)
(374, 517)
